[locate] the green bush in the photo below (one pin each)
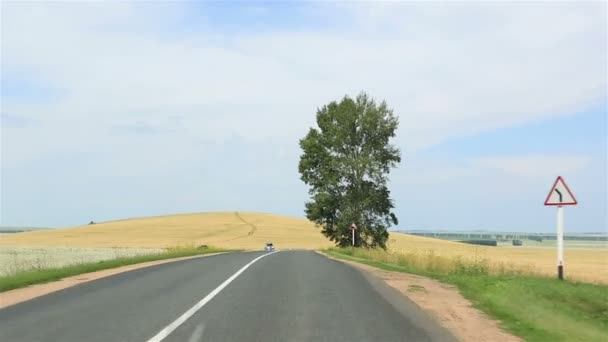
(481, 242)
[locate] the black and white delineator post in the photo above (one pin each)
(353, 227)
(560, 195)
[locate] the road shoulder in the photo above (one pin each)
(442, 302)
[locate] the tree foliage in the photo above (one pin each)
(346, 161)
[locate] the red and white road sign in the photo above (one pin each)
(353, 226)
(560, 194)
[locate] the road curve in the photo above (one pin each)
(285, 296)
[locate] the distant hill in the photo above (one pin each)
(481, 234)
(222, 229)
(7, 230)
(242, 230)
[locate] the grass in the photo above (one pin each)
(536, 308)
(245, 230)
(37, 276)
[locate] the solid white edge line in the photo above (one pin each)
(184, 317)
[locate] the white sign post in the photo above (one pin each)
(353, 227)
(560, 195)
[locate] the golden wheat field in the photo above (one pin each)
(227, 230)
(251, 230)
(589, 265)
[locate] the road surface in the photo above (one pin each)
(283, 296)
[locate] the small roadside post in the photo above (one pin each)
(353, 227)
(560, 196)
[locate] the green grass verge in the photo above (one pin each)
(26, 278)
(534, 308)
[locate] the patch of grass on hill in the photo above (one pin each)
(535, 308)
(26, 278)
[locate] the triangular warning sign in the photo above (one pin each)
(560, 194)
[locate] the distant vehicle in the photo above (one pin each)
(269, 247)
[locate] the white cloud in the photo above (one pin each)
(503, 192)
(448, 70)
(535, 166)
(139, 94)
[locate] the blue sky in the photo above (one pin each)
(114, 110)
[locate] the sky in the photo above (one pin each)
(127, 109)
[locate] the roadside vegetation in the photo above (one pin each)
(18, 258)
(43, 275)
(534, 307)
(588, 265)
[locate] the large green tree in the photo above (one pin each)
(346, 162)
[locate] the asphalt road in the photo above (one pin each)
(284, 296)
